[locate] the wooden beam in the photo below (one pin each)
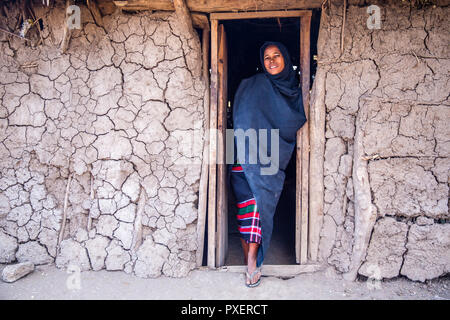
(95, 11)
(106, 7)
(365, 210)
(277, 270)
(66, 203)
(259, 15)
(317, 144)
(344, 8)
(317, 140)
(184, 16)
(221, 5)
(200, 20)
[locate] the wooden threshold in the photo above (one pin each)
(277, 270)
(259, 15)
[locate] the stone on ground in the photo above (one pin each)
(16, 271)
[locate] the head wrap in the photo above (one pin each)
(285, 81)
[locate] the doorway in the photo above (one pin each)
(244, 62)
(235, 42)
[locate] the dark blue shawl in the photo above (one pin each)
(266, 101)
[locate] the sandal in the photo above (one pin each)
(251, 276)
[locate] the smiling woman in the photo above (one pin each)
(273, 60)
(268, 100)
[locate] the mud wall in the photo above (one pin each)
(389, 86)
(106, 135)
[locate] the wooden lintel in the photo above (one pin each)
(221, 5)
(259, 14)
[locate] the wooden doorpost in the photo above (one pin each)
(302, 184)
(222, 204)
(212, 149)
(217, 204)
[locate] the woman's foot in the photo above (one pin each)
(253, 274)
(253, 278)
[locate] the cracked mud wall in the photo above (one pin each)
(121, 113)
(396, 81)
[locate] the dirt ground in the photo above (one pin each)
(48, 282)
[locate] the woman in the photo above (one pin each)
(269, 100)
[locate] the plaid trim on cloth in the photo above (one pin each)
(248, 219)
(237, 168)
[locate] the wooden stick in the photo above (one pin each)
(13, 34)
(365, 211)
(200, 21)
(343, 26)
(93, 8)
(66, 200)
(184, 15)
(185, 19)
(317, 140)
(29, 65)
(23, 5)
(137, 228)
(41, 40)
(203, 189)
(36, 20)
(316, 185)
(67, 32)
(89, 225)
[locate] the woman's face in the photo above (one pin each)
(273, 60)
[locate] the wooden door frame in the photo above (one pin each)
(222, 194)
(302, 161)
